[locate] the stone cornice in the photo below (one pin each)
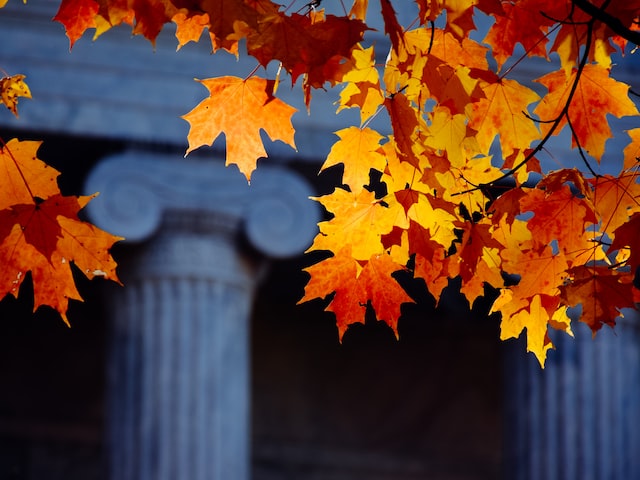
(139, 190)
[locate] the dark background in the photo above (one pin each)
(425, 406)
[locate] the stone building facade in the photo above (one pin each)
(204, 368)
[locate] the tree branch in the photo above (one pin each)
(612, 22)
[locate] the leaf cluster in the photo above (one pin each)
(453, 185)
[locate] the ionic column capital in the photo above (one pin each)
(139, 190)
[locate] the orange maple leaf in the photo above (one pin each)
(338, 274)
(354, 284)
(40, 232)
(24, 176)
(383, 290)
(632, 151)
(597, 95)
(615, 199)
(502, 111)
(559, 216)
(189, 28)
(534, 315)
(240, 109)
(44, 239)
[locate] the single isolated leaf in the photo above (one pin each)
(10, 89)
(240, 109)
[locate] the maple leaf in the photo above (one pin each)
(151, 16)
(476, 244)
(541, 271)
(362, 83)
(596, 95)
(601, 291)
(520, 22)
(10, 89)
(408, 128)
(559, 216)
(359, 9)
(358, 150)
(77, 16)
(386, 295)
(502, 110)
(240, 109)
(24, 176)
(231, 20)
(435, 216)
(533, 316)
(359, 220)
(615, 199)
(45, 238)
(626, 236)
(189, 28)
(391, 25)
(338, 274)
(354, 285)
(304, 47)
(632, 151)
(40, 232)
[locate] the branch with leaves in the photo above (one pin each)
(426, 194)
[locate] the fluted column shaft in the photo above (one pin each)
(179, 360)
(178, 368)
(579, 418)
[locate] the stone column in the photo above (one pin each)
(579, 418)
(178, 368)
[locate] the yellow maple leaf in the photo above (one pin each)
(358, 150)
(359, 220)
(438, 221)
(10, 89)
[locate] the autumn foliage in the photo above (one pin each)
(454, 186)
